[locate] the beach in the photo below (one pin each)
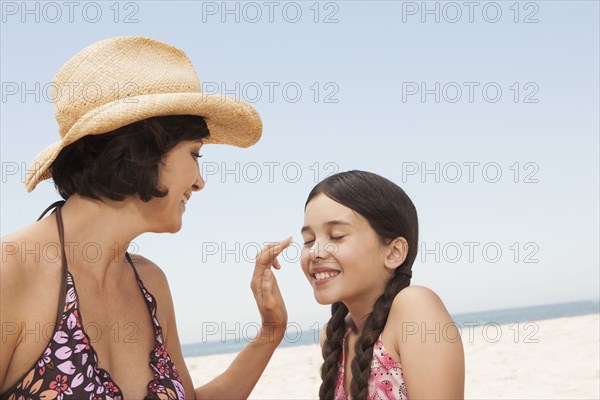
(549, 359)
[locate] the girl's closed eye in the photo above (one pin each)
(308, 242)
(197, 155)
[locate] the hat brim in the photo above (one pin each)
(229, 120)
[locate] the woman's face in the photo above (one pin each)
(179, 172)
(342, 257)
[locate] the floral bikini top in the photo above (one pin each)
(386, 380)
(68, 367)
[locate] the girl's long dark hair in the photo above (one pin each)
(391, 214)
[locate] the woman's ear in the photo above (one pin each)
(396, 254)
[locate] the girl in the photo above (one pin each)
(385, 339)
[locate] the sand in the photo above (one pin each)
(550, 359)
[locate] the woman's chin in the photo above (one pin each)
(173, 227)
(176, 228)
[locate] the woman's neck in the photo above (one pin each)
(98, 234)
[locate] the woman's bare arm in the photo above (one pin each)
(238, 381)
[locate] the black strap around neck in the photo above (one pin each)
(61, 234)
(56, 204)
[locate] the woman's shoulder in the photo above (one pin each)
(29, 284)
(147, 268)
(29, 254)
(13, 273)
(31, 243)
(156, 282)
(153, 276)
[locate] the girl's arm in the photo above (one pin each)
(429, 345)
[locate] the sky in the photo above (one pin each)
(485, 113)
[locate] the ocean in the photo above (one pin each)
(504, 316)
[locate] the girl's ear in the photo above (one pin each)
(397, 251)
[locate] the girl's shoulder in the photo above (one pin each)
(427, 342)
(416, 309)
(416, 297)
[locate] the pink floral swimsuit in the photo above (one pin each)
(386, 381)
(68, 367)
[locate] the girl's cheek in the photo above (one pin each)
(304, 256)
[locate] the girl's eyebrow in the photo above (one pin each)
(328, 223)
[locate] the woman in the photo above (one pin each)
(127, 164)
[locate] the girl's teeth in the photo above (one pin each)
(325, 275)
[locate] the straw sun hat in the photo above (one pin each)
(121, 80)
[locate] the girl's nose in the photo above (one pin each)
(318, 250)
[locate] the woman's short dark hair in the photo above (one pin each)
(123, 162)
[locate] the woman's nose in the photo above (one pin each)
(199, 184)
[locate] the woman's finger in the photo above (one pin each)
(276, 264)
(268, 254)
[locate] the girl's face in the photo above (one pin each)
(342, 256)
(179, 172)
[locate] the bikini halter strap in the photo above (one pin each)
(61, 234)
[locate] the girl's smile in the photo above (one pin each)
(321, 276)
(342, 257)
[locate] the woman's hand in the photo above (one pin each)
(266, 291)
(240, 378)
